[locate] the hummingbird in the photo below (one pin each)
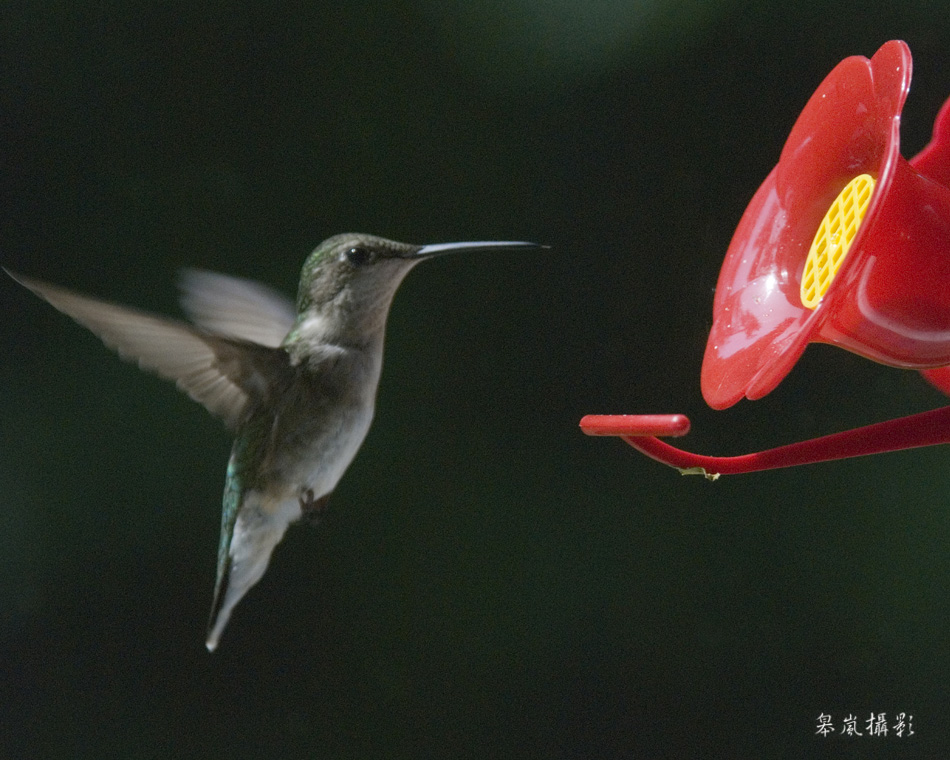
(295, 383)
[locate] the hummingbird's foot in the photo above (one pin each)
(311, 509)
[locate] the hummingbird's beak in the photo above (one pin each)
(438, 249)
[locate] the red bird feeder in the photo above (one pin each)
(847, 243)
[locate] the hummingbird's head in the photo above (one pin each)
(353, 272)
(348, 282)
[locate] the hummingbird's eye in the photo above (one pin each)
(359, 256)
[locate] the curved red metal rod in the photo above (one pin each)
(640, 431)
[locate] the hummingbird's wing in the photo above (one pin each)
(219, 373)
(236, 307)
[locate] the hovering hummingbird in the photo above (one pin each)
(296, 385)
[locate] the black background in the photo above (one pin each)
(490, 583)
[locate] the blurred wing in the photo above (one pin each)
(236, 307)
(218, 373)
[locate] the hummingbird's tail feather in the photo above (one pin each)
(218, 618)
(233, 495)
(217, 372)
(252, 543)
(251, 526)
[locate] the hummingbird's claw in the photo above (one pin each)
(311, 509)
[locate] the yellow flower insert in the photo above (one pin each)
(834, 237)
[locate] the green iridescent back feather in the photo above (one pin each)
(233, 490)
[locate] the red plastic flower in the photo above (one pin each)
(867, 232)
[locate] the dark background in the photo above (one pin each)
(490, 583)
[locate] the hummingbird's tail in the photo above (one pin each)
(251, 526)
(255, 535)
